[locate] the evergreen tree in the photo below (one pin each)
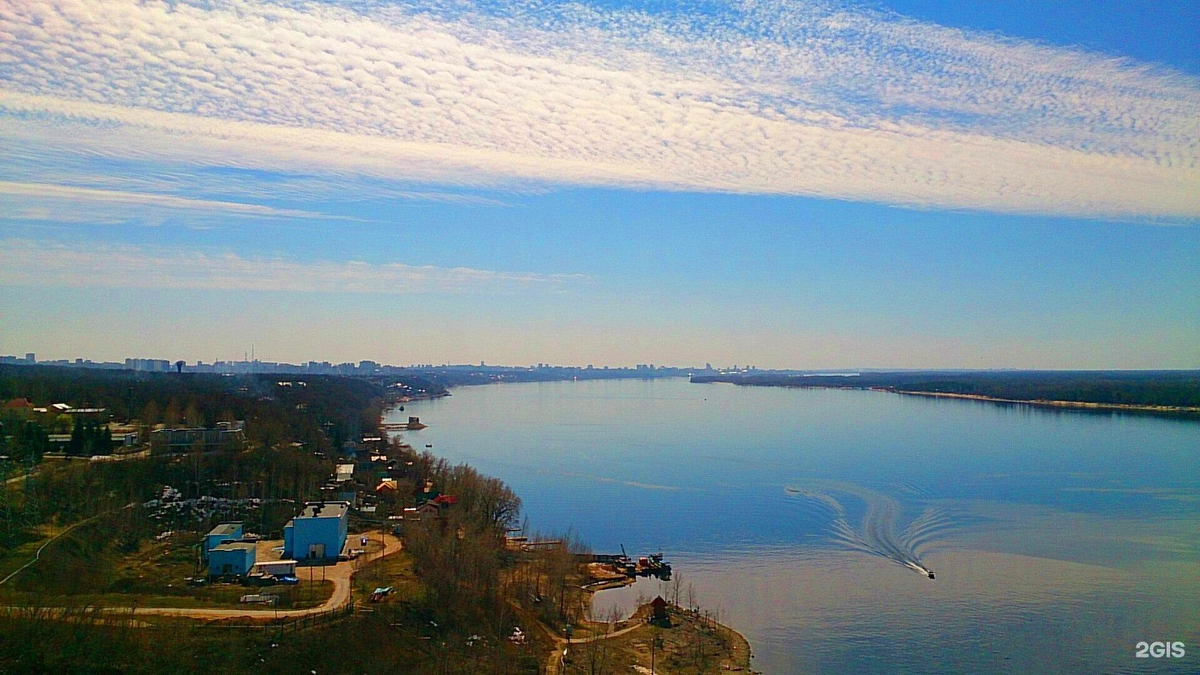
(76, 446)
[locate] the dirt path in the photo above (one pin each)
(554, 660)
(340, 574)
(606, 636)
(38, 555)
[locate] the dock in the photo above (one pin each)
(413, 424)
(613, 565)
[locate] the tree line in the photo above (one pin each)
(1147, 388)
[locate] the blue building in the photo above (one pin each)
(221, 534)
(318, 532)
(233, 558)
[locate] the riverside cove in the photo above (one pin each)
(808, 518)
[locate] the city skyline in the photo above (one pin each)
(251, 364)
(819, 185)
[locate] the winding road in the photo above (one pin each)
(341, 574)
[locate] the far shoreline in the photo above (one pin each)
(1162, 393)
(1084, 405)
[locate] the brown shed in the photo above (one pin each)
(658, 608)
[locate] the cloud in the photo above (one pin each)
(26, 263)
(217, 183)
(64, 203)
(815, 99)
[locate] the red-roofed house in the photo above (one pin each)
(18, 404)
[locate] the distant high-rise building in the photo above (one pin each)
(30, 358)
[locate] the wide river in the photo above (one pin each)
(1059, 540)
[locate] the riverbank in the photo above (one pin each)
(679, 641)
(1086, 405)
(1155, 392)
(401, 400)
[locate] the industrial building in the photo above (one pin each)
(224, 435)
(318, 532)
(232, 558)
(275, 568)
(221, 534)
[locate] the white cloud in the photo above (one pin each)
(763, 97)
(25, 263)
(67, 203)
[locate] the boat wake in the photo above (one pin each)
(878, 532)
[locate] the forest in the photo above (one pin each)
(102, 540)
(1176, 388)
(320, 411)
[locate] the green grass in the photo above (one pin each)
(396, 571)
(300, 596)
(86, 568)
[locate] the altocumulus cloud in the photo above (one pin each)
(813, 99)
(24, 262)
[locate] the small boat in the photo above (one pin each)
(429, 445)
(920, 569)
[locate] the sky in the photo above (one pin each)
(894, 184)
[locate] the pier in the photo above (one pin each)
(610, 566)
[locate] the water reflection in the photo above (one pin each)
(1059, 538)
(829, 611)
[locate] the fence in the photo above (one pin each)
(314, 620)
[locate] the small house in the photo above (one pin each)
(18, 404)
(236, 558)
(658, 611)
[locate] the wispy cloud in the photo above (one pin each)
(68, 203)
(758, 97)
(24, 262)
(30, 164)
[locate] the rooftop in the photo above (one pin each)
(226, 529)
(236, 546)
(324, 510)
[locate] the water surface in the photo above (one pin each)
(1059, 539)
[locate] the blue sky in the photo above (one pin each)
(824, 185)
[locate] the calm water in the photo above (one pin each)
(1059, 539)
